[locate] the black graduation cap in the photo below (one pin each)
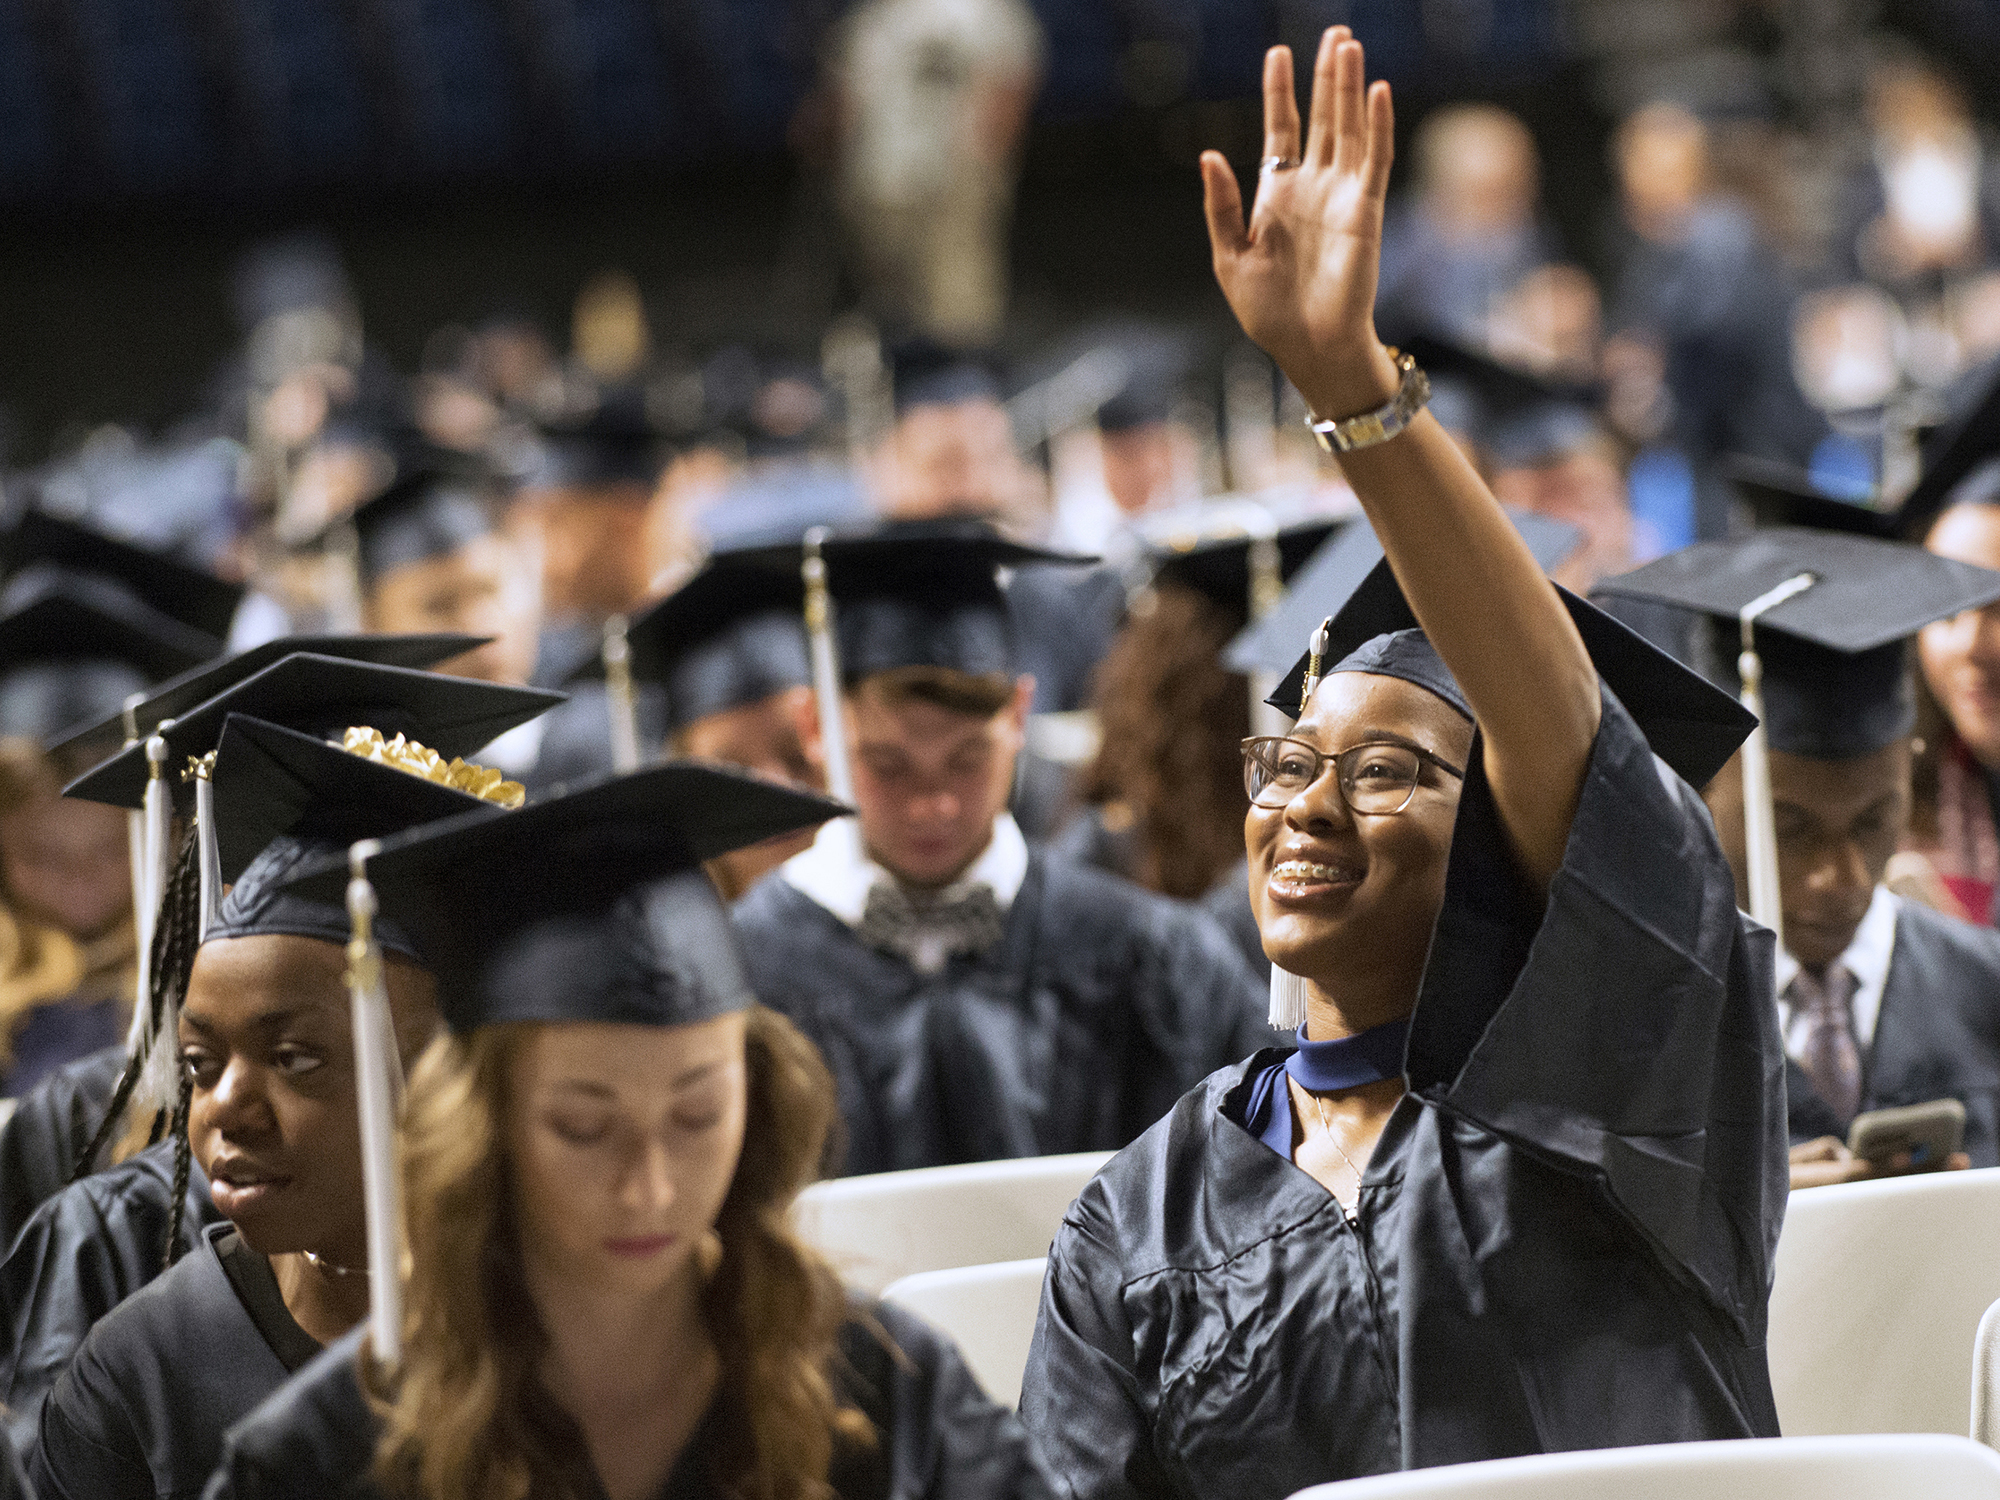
(591, 906)
(75, 648)
(198, 684)
(1836, 672)
(1216, 562)
(1517, 417)
(325, 695)
(729, 636)
(286, 800)
(1337, 569)
(925, 594)
(435, 505)
(1155, 383)
(1779, 494)
(197, 599)
(924, 373)
(613, 444)
(1951, 454)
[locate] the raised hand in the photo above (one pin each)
(1301, 275)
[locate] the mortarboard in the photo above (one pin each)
(1333, 574)
(76, 648)
(729, 636)
(1780, 495)
(1835, 670)
(178, 695)
(928, 374)
(433, 507)
(325, 694)
(197, 599)
(285, 799)
(614, 444)
(1951, 454)
(1690, 725)
(1156, 373)
(590, 906)
(1222, 562)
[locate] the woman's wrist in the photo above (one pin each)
(1343, 385)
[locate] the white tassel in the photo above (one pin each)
(1760, 824)
(1288, 1000)
(825, 668)
(378, 1074)
(155, 1036)
(208, 854)
(623, 700)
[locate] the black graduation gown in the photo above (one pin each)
(939, 1437)
(1564, 1236)
(1937, 1035)
(142, 1410)
(1100, 1006)
(83, 1252)
(48, 1130)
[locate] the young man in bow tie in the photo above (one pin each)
(975, 997)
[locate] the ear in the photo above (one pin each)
(1016, 711)
(801, 707)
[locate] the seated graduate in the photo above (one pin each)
(266, 1057)
(1882, 1001)
(98, 1241)
(86, 622)
(974, 997)
(727, 654)
(1519, 1187)
(48, 1140)
(604, 1295)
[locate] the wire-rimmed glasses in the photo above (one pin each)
(1377, 778)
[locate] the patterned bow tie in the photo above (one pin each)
(925, 934)
(1829, 1054)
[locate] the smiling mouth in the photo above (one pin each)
(639, 1247)
(1306, 874)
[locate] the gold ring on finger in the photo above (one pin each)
(1277, 164)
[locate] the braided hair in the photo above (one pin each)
(175, 939)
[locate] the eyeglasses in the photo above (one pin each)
(1377, 778)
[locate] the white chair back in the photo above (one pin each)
(1986, 1379)
(1878, 1293)
(1889, 1467)
(988, 1311)
(878, 1228)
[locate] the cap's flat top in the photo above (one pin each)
(80, 618)
(1779, 494)
(731, 586)
(178, 695)
(1328, 580)
(270, 780)
(1867, 593)
(551, 855)
(189, 594)
(454, 716)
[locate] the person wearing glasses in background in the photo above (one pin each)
(1518, 1189)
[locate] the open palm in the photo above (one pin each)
(1301, 274)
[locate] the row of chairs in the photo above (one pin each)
(1885, 1295)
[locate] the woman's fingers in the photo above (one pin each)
(1381, 138)
(1222, 201)
(1323, 125)
(1281, 107)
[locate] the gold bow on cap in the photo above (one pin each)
(420, 760)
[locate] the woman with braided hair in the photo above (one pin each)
(258, 1013)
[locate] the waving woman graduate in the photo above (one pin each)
(1518, 1188)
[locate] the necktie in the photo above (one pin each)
(1829, 1054)
(926, 933)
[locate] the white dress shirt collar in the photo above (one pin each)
(1867, 958)
(837, 873)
